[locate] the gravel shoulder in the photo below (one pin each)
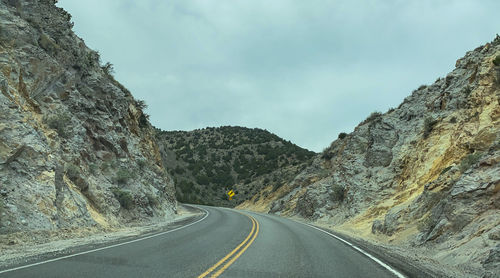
(24, 248)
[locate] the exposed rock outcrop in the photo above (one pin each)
(76, 149)
(426, 173)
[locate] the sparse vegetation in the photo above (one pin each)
(141, 104)
(373, 116)
(108, 68)
(342, 135)
(61, 123)
(47, 43)
(72, 171)
(337, 193)
(141, 163)
(496, 61)
(93, 168)
(326, 154)
(123, 176)
(152, 200)
(124, 197)
(429, 124)
(467, 90)
(446, 170)
(470, 160)
(1, 208)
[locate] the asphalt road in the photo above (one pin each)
(225, 243)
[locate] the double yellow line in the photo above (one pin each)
(215, 270)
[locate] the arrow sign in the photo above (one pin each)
(230, 194)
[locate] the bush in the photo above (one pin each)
(72, 171)
(61, 123)
(467, 90)
(123, 176)
(470, 160)
(124, 197)
(141, 104)
(152, 200)
(93, 168)
(337, 193)
(446, 169)
(496, 61)
(327, 155)
(108, 68)
(342, 135)
(179, 170)
(373, 116)
(429, 124)
(1, 208)
(141, 163)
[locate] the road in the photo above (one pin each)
(224, 243)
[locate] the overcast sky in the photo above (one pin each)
(304, 70)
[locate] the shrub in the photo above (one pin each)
(446, 169)
(421, 87)
(61, 123)
(124, 197)
(470, 160)
(108, 68)
(105, 166)
(152, 200)
(141, 104)
(326, 155)
(72, 171)
(429, 124)
(93, 168)
(179, 170)
(141, 163)
(337, 193)
(1, 208)
(373, 116)
(123, 176)
(342, 135)
(467, 90)
(496, 61)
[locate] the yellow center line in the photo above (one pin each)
(219, 272)
(211, 269)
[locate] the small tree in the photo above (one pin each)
(429, 124)
(108, 68)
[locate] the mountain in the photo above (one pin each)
(76, 149)
(207, 163)
(425, 174)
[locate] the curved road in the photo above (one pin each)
(224, 243)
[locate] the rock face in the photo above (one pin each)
(427, 172)
(76, 150)
(206, 163)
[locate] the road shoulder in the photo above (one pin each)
(63, 243)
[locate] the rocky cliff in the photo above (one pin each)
(206, 163)
(425, 174)
(76, 149)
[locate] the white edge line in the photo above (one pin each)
(386, 266)
(106, 247)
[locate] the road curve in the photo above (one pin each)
(226, 243)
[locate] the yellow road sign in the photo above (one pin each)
(230, 194)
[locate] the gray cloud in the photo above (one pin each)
(305, 70)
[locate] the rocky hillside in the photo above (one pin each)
(206, 163)
(76, 149)
(425, 174)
